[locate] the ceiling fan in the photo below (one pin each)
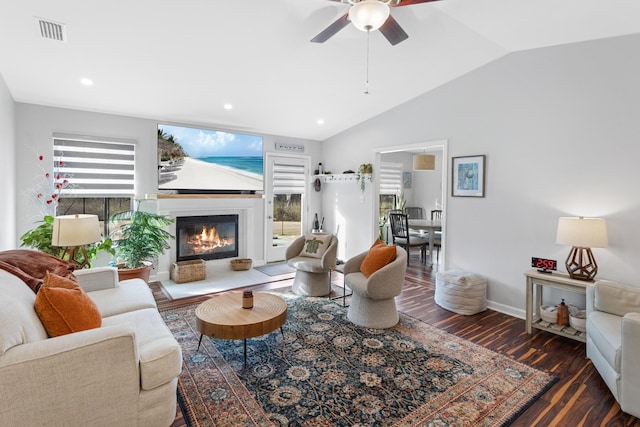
(370, 15)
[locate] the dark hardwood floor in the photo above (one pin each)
(579, 398)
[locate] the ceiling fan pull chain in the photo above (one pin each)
(366, 89)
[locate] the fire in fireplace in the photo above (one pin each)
(206, 237)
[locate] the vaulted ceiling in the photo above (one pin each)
(182, 61)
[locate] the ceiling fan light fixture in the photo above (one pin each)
(369, 15)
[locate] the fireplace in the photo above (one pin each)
(206, 237)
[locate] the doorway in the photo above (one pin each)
(285, 202)
(425, 189)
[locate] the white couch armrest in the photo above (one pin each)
(630, 372)
(85, 378)
(96, 279)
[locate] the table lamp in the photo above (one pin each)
(73, 232)
(582, 234)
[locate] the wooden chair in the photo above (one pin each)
(436, 214)
(401, 237)
(414, 212)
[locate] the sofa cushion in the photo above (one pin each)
(616, 298)
(19, 323)
(31, 266)
(128, 295)
(315, 245)
(160, 354)
(605, 330)
(379, 255)
(63, 307)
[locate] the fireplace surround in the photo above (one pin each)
(206, 237)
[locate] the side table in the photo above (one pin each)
(340, 269)
(536, 281)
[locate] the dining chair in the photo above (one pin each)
(414, 212)
(401, 236)
(436, 214)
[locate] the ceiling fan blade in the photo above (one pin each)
(408, 2)
(393, 31)
(329, 32)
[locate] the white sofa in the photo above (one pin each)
(123, 373)
(613, 340)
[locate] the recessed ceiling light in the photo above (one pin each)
(87, 82)
(228, 106)
(320, 121)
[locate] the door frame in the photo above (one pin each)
(435, 145)
(268, 196)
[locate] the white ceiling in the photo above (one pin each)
(181, 61)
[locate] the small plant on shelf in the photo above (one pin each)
(365, 170)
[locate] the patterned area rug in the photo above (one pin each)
(327, 371)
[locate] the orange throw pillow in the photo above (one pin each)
(63, 307)
(379, 255)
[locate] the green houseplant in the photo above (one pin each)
(39, 238)
(138, 238)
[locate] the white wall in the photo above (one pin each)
(35, 125)
(560, 129)
(7, 167)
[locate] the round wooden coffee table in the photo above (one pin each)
(223, 317)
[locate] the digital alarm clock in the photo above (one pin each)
(544, 265)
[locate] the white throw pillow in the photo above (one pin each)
(315, 245)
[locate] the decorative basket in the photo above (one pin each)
(579, 320)
(549, 313)
(241, 264)
(188, 271)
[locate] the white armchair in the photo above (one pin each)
(373, 302)
(613, 340)
(313, 274)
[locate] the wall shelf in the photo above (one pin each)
(341, 178)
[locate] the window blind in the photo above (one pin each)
(93, 167)
(288, 179)
(390, 178)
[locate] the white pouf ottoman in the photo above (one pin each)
(461, 292)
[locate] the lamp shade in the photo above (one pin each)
(369, 15)
(75, 230)
(424, 162)
(582, 232)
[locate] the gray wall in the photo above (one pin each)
(7, 168)
(559, 127)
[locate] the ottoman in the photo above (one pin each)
(461, 292)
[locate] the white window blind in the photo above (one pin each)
(390, 180)
(288, 179)
(93, 167)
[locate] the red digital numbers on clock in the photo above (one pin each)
(542, 264)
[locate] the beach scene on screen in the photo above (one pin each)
(204, 159)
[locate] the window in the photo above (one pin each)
(390, 186)
(99, 176)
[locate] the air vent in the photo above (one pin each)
(52, 30)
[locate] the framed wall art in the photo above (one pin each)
(467, 176)
(406, 179)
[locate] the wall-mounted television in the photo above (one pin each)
(195, 160)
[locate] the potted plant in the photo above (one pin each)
(365, 170)
(39, 238)
(139, 238)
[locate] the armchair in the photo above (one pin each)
(613, 340)
(373, 302)
(313, 271)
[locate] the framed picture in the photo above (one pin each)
(406, 179)
(467, 176)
